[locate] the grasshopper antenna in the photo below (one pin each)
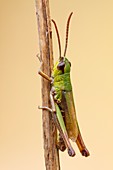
(67, 32)
(58, 36)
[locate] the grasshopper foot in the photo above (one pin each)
(45, 108)
(85, 152)
(61, 147)
(71, 152)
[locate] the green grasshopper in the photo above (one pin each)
(62, 102)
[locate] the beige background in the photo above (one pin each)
(90, 50)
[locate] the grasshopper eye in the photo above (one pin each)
(61, 65)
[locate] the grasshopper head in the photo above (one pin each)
(61, 67)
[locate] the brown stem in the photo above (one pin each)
(46, 54)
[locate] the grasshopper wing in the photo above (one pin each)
(70, 118)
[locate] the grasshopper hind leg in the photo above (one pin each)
(81, 146)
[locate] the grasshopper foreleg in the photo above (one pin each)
(41, 73)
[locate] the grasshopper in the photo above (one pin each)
(62, 102)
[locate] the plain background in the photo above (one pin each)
(90, 51)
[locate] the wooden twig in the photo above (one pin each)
(46, 54)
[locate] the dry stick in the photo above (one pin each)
(46, 53)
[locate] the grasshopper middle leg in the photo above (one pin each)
(63, 132)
